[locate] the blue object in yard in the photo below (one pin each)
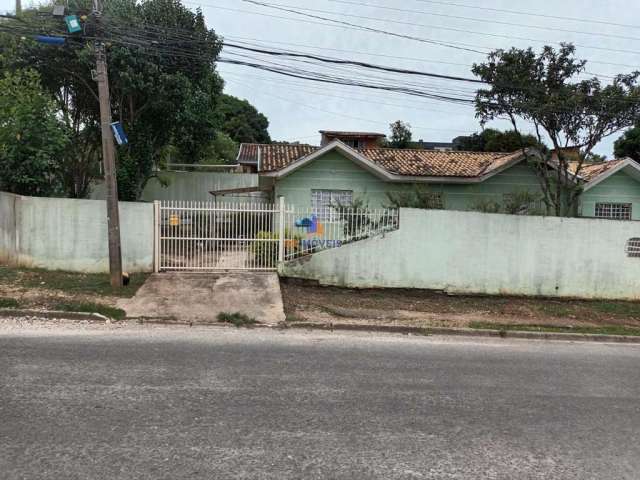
(73, 24)
(50, 40)
(118, 133)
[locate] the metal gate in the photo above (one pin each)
(210, 236)
(216, 236)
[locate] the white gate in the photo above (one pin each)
(217, 236)
(210, 236)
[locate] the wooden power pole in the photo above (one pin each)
(18, 7)
(108, 156)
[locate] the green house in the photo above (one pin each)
(318, 177)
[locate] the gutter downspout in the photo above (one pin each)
(259, 159)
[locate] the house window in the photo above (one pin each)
(322, 202)
(615, 211)
(633, 247)
(353, 142)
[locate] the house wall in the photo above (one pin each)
(192, 186)
(471, 252)
(69, 234)
(618, 188)
(333, 171)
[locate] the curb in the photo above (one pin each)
(17, 312)
(467, 332)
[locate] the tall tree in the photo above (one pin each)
(242, 122)
(400, 134)
(542, 90)
(492, 140)
(628, 145)
(32, 139)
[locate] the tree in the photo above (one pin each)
(164, 90)
(628, 145)
(32, 140)
(492, 140)
(540, 89)
(400, 134)
(242, 122)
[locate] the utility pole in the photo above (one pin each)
(108, 156)
(18, 7)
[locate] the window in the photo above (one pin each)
(633, 247)
(352, 142)
(615, 211)
(323, 200)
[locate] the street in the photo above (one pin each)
(152, 402)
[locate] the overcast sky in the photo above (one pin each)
(297, 109)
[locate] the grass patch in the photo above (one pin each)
(6, 302)
(70, 282)
(292, 317)
(604, 330)
(90, 307)
(238, 319)
(626, 309)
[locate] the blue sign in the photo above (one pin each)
(118, 133)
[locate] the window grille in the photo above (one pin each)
(633, 247)
(323, 202)
(615, 211)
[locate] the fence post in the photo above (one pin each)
(156, 236)
(281, 221)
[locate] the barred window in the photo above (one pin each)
(633, 247)
(615, 211)
(322, 202)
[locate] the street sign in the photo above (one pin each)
(73, 24)
(118, 133)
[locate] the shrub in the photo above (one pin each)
(238, 319)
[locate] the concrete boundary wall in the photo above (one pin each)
(68, 234)
(468, 252)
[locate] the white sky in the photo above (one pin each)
(297, 109)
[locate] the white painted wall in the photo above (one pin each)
(68, 234)
(469, 252)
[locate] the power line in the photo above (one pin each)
(530, 14)
(287, 8)
(484, 20)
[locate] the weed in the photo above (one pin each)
(90, 307)
(238, 319)
(604, 330)
(6, 302)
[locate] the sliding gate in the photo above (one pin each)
(211, 236)
(217, 236)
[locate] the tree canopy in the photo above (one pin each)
(32, 139)
(542, 89)
(628, 145)
(492, 140)
(400, 135)
(164, 87)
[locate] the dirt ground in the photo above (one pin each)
(308, 302)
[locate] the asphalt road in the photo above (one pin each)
(143, 402)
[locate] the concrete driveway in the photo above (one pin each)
(199, 298)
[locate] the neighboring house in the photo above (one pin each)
(318, 177)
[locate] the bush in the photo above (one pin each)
(8, 302)
(238, 319)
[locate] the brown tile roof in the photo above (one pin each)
(273, 156)
(433, 163)
(422, 163)
(589, 171)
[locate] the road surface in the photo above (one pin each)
(142, 402)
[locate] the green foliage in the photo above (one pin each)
(492, 140)
(400, 135)
(222, 150)
(238, 319)
(589, 330)
(418, 196)
(628, 145)
(242, 122)
(265, 248)
(543, 90)
(521, 202)
(32, 140)
(487, 205)
(7, 302)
